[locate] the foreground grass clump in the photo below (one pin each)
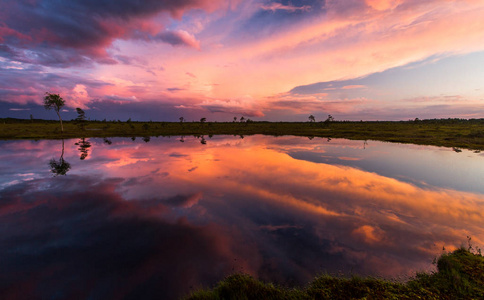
(459, 275)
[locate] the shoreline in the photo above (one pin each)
(456, 133)
(459, 275)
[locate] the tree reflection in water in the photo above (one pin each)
(59, 167)
(83, 148)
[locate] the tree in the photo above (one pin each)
(202, 120)
(235, 119)
(81, 115)
(242, 119)
(328, 120)
(54, 101)
(311, 119)
(181, 119)
(81, 118)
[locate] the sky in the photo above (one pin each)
(261, 59)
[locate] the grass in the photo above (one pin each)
(457, 133)
(459, 275)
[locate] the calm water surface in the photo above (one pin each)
(124, 219)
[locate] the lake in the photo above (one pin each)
(158, 217)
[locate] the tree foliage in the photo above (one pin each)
(55, 102)
(81, 118)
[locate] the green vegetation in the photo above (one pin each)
(54, 101)
(456, 133)
(460, 275)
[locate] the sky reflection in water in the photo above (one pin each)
(155, 219)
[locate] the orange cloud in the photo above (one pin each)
(383, 4)
(331, 48)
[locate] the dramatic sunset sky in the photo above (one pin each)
(262, 59)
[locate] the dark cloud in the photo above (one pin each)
(347, 8)
(275, 16)
(329, 86)
(139, 111)
(176, 154)
(175, 89)
(7, 51)
(178, 38)
(36, 79)
(183, 200)
(248, 112)
(65, 33)
(114, 107)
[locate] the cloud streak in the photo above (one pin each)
(279, 6)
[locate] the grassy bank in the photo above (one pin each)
(460, 275)
(457, 133)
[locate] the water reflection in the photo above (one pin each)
(152, 220)
(84, 146)
(59, 167)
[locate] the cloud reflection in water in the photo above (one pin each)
(156, 219)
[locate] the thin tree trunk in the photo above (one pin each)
(62, 154)
(60, 119)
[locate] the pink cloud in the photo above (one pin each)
(6, 32)
(350, 87)
(383, 4)
(335, 48)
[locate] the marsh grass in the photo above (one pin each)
(457, 133)
(459, 275)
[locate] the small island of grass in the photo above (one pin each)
(459, 275)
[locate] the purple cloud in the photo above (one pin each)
(77, 32)
(178, 38)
